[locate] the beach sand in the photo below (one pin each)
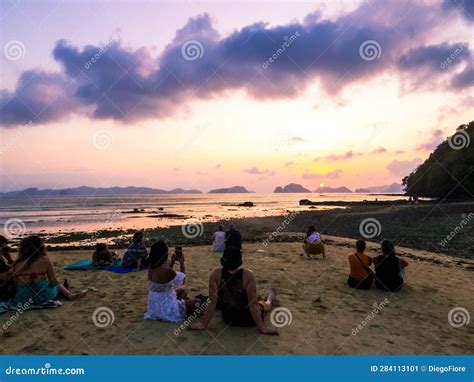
(325, 312)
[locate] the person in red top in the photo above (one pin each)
(360, 276)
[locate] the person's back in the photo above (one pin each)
(387, 273)
(218, 244)
(102, 255)
(233, 299)
(136, 254)
(360, 275)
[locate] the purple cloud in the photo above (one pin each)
(114, 82)
(403, 167)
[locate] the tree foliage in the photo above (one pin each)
(449, 170)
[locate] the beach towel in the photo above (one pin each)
(9, 306)
(86, 265)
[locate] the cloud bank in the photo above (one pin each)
(114, 82)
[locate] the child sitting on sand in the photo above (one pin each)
(389, 269)
(102, 256)
(313, 244)
(361, 276)
(35, 277)
(136, 255)
(166, 300)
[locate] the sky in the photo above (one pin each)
(215, 94)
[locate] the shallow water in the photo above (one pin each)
(91, 213)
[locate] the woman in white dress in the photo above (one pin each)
(166, 300)
(218, 244)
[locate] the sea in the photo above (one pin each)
(70, 214)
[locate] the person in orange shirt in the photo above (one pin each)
(361, 276)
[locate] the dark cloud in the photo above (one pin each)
(464, 7)
(114, 82)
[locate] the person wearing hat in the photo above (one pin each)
(235, 289)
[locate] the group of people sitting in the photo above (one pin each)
(232, 287)
(389, 268)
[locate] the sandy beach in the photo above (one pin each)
(326, 316)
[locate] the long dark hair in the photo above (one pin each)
(158, 254)
(388, 249)
(311, 229)
(31, 249)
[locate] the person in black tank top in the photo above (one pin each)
(233, 289)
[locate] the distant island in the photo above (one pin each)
(394, 188)
(96, 191)
(291, 188)
(231, 190)
(332, 190)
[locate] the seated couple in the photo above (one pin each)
(231, 287)
(32, 278)
(313, 244)
(389, 269)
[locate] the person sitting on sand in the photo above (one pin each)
(7, 284)
(234, 289)
(313, 244)
(218, 244)
(102, 256)
(166, 301)
(388, 268)
(136, 255)
(233, 238)
(35, 277)
(361, 276)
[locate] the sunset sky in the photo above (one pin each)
(182, 94)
